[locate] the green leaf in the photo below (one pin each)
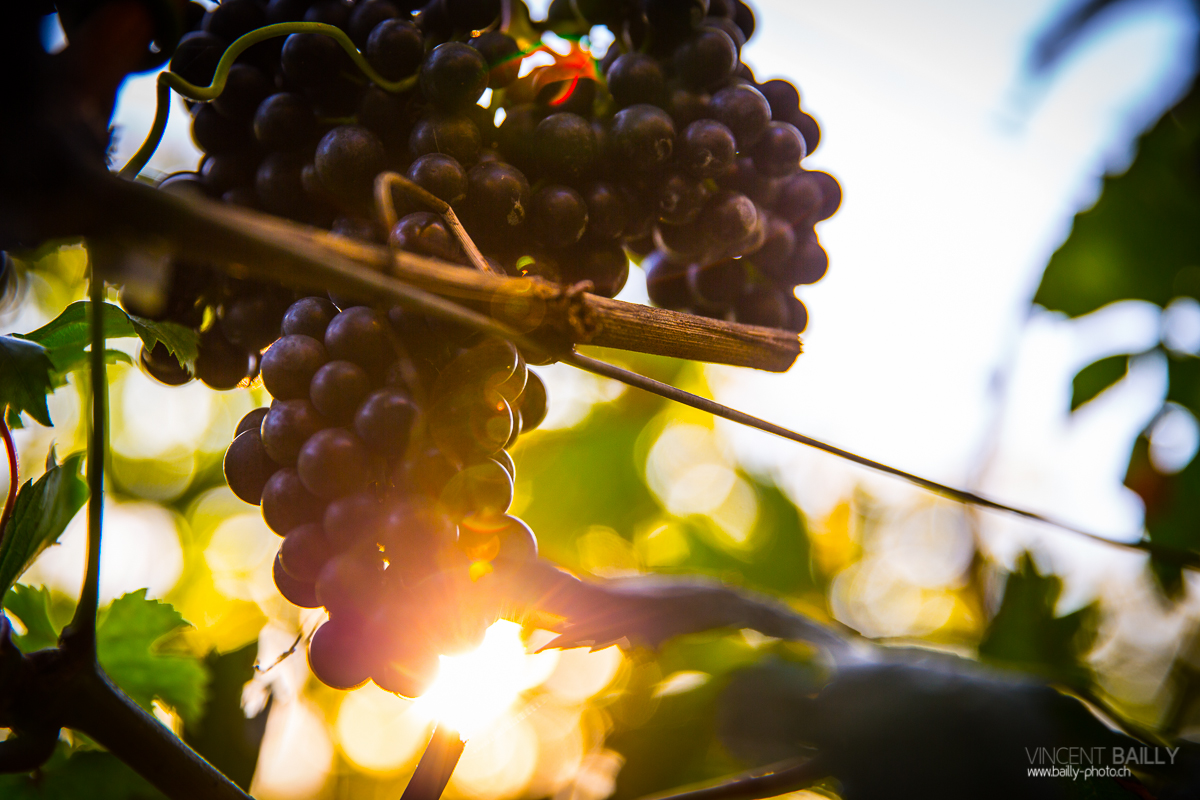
(224, 735)
(183, 342)
(70, 775)
(31, 605)
(1027, 635)
(68, 334)
(25, 378)
(12, 418)
(1096, 377)
(70, 360)
(42, 511)
(1141, 239)
(125, 639)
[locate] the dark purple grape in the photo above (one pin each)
(680, 198)
(162, 366)
(706, 59)
(251, 422)
(779, 151)
(728, 220)
(251, 320)
(440, 175)
(234, 18)
(730, 28)
(298, 593)
(308, 316)
(743, 110)
(359, 334)
(778, 243)
(395, 48)
(221, 364)
(743, 177)
(366, 17)
(353, 520)
(386, 115)
(533, 403)
(248, 467)
(284, 121)
(605, 265)
(288, 366)
(287, 426)
(801, 199)
(304, 552)
(337, 389)
(483, 489)
(642, 137)
(635, 78)
(279, 184)
(287, 505)
(453, 76)
(666, 281)
(196, 56)
(348, 159)
(330, 12)
(245, 88)
(339, 655)
(716, 287)
(558, 215)
(466, 425)
(426, 234)
(434, 21)
(452, 134)
(797, 314)
(783, 97)
(808, 263)
(310, 59)
(497, 197)
(486, 367)
(565, 146)
(706, 148)
(334, 462)
(351, 583)
(743, 15)
(215, 133)
(608, 211)
(244, 196)
(502, 55)
(831, 194)
(286, 10)
(385, 421)
(809, 129)
(687, 106)
(184, 183)
(226, 171)
(762, 305)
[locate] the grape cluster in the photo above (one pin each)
(382, 464)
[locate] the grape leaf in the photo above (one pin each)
(181, 341)
(40, 514)
(25, 378)
(68, 333)
(125, 638)
(69, 775)
(1027, 635)
(31, 605)
(1096, 377)
(224, 735)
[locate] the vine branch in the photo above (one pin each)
(436, 766)
(13, 475)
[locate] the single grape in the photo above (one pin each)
(408, 670)
(453, 76)
(558, 215)
(717, 286)
(304, 552)
(483, 489)
(831, 194)
(221, 364)
(466, 425)
(483, 368)
(743, 177)
(728, 220)
(762, 305)
(233, 18)
(809, 261)
(502, 55)
(730, 28)
(353, 520)
(517, 541)
(534, 403)
(248, 467)
(797, 314)
(385, 421)
(358, 334)
(778, 243)
(505, 460)
(609, 210)
(279, 184)
(801, 199)
(809, 129)
(351, 584)
(566, 146)
(666, 281)
(454, 135)
(605, 265)
(440, 175)
(706, 148)
(226, 171)
(284, 121)
(287, 426)
(497, 197)
(245, 88)
(298, 593)
(426, 234)
(162, 366)
(743, 110)
(196, 56)
(286, 504)
(783, 97)
(289, 364)
(215, 133)
(252, 421)
(681, 198)
(184, 183)
(251, 319)
(395, 48)
(286, 10)
(308, 316)
(635, 78)
(339, 656)
(334, 462)
(348, 159)
(779, 151)
(686, 106)
(336, 390)
(743, 15)
(642, 137)
(706, 59)
(309, 59)
(366, 16)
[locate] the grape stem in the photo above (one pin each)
(168, 80)
(387, 182)
(436, 766)
(13, 476)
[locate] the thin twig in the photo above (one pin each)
(13, 475)
(776, 779)
(386, 182)
(261, 670)
(725, 412)
(436, 766)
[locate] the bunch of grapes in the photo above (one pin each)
(382, 461)
(382, 464)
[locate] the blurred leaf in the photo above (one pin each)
(68, 361)
(31, 605)
(125, 639)
(1141, 239)
(25, 378)
(70, 775)
(1066, 31)
(1172, 517)
(42, 511)
(68, 334)
(1096, 377)
(1026, 634)
(223, 734)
